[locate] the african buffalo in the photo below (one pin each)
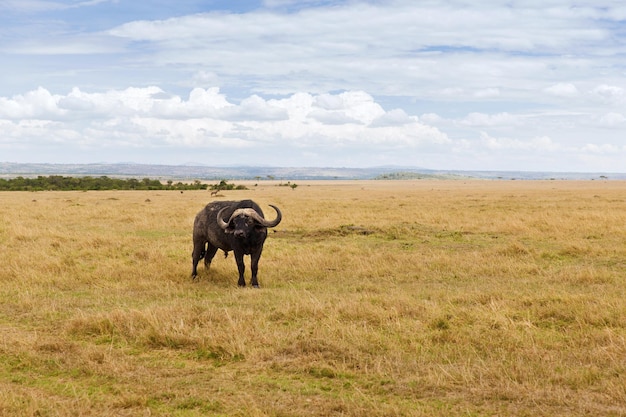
(231, 225)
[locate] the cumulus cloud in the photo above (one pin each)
(396, 117)
(253, 108)
(332, 118)
(36, 104)
(432, 118)
(316, 77)
(149, 117)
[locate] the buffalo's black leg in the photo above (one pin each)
(254, 267)
(241, 267)
(208, 257)
(197, 254)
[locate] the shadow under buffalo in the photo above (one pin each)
(218, 277)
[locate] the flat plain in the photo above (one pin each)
(378, 298)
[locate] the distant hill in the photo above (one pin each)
(188, 172)
(420, 175)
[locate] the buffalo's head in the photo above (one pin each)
(243, 221)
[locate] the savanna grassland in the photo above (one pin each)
(405, 298)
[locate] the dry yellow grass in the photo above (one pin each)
(379, 298)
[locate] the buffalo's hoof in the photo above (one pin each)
(256, 286)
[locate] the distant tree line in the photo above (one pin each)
(225, 185)
(61, 183)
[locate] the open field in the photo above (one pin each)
(416, 298)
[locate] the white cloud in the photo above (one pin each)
(445, 43)
(431, 118)
(148, 117)
(396, 117)
(253, 108)
(319, 77)
(562, 90)
(500, 119)
(30, 6)
(487, 93)
(609, 93)
(38, 6)
(613, 120)
(332, 118)
(204, 78)
(36, 104)
(543, 143)
(604, 148)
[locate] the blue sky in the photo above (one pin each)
(521, 85)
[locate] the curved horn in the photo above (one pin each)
(251, 213)
(267, 223)
(220, 221)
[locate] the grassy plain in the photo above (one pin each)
(472, 298)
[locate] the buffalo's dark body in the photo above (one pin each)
(243, 235)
